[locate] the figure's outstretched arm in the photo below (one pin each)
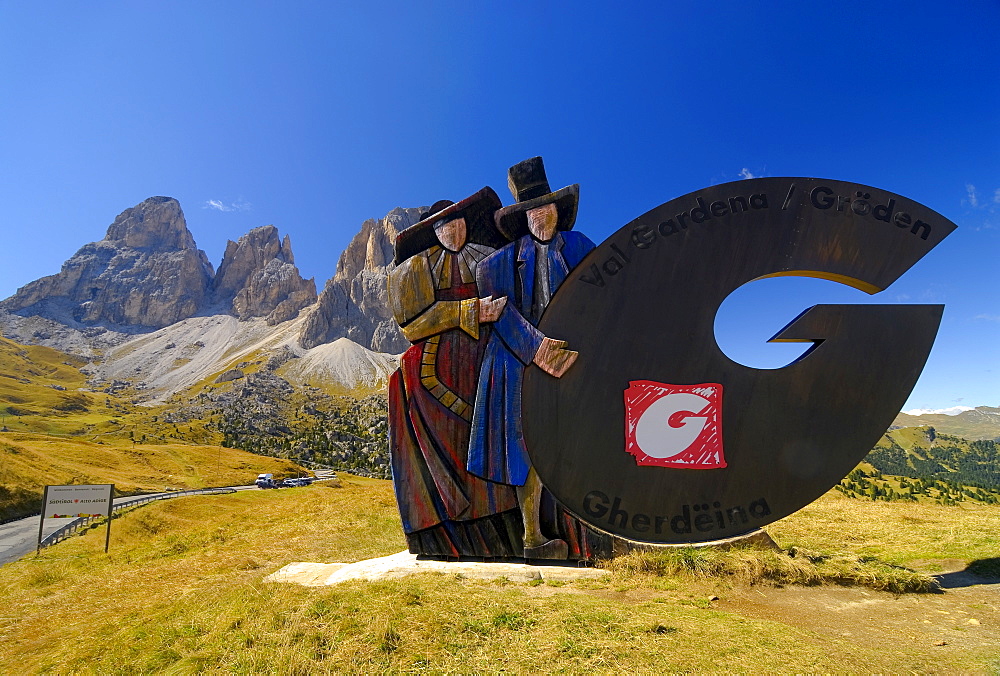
(496, 277)
(553, 357)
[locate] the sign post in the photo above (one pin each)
(61, 502)
(41, 520)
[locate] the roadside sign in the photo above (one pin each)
(62, 502)
(74, 501)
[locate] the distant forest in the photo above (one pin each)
(949, 471)
(977, 464)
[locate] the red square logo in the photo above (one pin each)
(674, 425)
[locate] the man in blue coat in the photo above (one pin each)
(527, 271)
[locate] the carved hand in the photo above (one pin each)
(490, 308)
(553, 357)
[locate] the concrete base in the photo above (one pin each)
(405, 563)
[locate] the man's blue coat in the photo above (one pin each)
(496, 450)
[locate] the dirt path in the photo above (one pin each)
(960, 621)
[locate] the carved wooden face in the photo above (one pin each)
(451, 234)
(542, 222)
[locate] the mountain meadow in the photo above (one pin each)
(855, 586)
(182, 590)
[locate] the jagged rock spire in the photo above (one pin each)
(258, 278)
(354, 303)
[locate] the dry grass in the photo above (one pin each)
(182, 591)
(29, 461)
(40, 389)
(26, 368)
(922, 536)
(43, 391)
(752, 565)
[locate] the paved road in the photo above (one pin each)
(20, 537)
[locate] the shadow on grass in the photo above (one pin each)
(981, 571)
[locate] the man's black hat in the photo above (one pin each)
(530, 188)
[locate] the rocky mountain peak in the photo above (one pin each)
(353, 303)
(156, 223)
(259, 278)
(146, 273)
(252, 252)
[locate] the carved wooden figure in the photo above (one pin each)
(433, 294)
(471, 312)
(528, 271)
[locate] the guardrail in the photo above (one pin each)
(73, 526)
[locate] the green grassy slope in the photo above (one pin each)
(54, 430)
(39, 380)
(43, 391)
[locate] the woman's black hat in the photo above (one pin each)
(477, 209)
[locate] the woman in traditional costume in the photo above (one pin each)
(446, 511)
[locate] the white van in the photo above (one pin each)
(265, 481)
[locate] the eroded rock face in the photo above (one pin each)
(354, 303)
(258, 276)
(147, 272)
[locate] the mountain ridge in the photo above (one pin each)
(147, 273)
(146, 307)
(982, 422)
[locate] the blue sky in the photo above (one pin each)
(317, 116)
